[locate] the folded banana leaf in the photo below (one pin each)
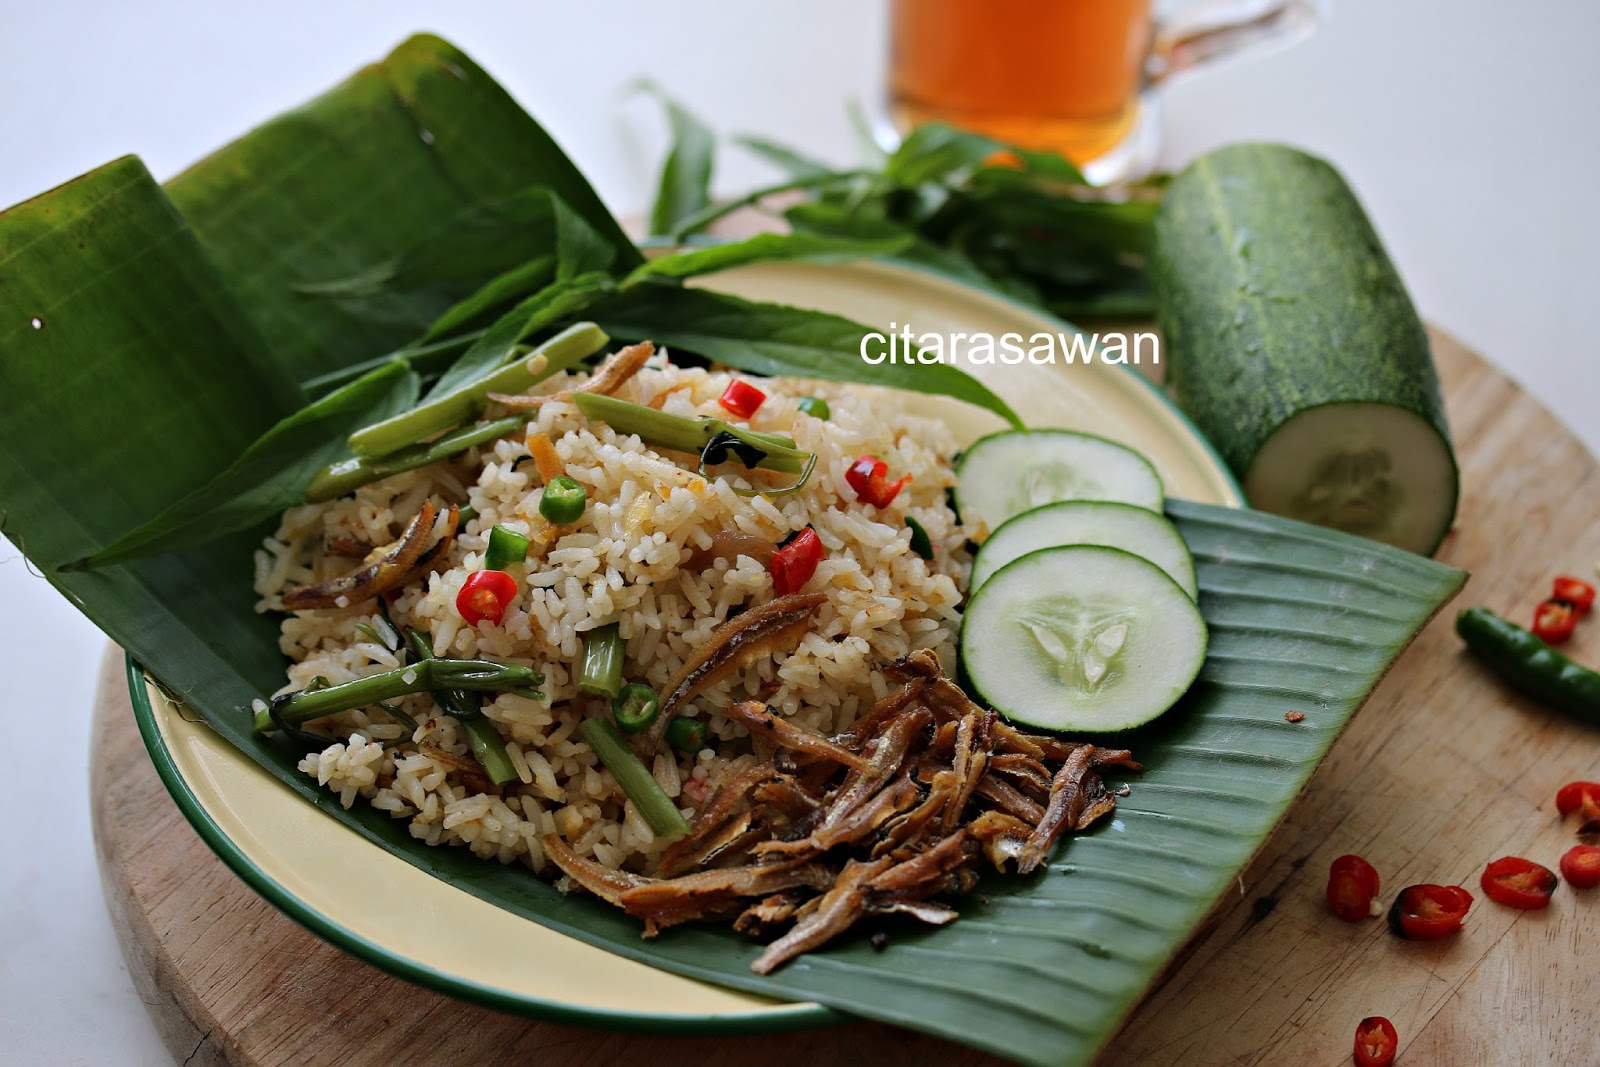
(143, 347)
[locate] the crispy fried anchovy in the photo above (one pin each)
(1100, 803)
(932, 863)
(1114, 757)
(854, 825)
(974, 737)
(1066, 805)
(429, 560)
(768, 913)
(1003, 836)
(784, 793)
(884, 710)
(684, 853)
(382, 574)
(762, 719)
(888, 751)
(926, 911)
(773, 627)
(608, 378)
(669, 901)
(996, 790)
(836, 911)
(603, 882)
(898, 832)
(1031, 776)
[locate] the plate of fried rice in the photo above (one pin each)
(673, 558)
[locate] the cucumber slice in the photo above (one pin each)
(1369, 469)
(1013, 471)
(1088, 522)
(1082, 638)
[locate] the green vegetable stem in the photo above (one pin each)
(603, 650)
(635, 779)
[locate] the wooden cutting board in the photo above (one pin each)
(1443, 771)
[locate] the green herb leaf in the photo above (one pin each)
(775, 340)
(769, 248)
(936, 152)
(793, 163)
(502, 342)
(684, 187)
(272, 473)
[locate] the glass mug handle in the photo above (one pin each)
(1224, 28)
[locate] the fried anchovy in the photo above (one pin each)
(1066, 805)
(382, 574)
(773, 627)
(610, 376)
(604, 882)
(836, 911)
(762, 719)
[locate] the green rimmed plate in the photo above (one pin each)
(352, 892)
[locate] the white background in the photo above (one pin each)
(1467, 126)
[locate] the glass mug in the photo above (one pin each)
(1072, 76)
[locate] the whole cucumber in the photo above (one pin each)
(1292, 344)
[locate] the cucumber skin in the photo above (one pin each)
(1240, 230)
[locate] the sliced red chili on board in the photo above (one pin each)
(741, 399)
(794, 562)
(1574, 591)
(1352, 887)
(1583, 798)
(1429, 912)
(1376, 1042)
(1518, 883)
(869, 477)
(1554, 621)
(1580, 866)
(486, 595)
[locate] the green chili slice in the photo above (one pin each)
(814, 406)
(506, 547)
(686, 734)
(920, 542)
(635, 708)
(563, 500)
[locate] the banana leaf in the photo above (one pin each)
(151, 350)
(360, 176)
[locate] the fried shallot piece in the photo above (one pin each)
(890, 818)
(610, 376)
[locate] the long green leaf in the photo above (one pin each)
(1040, 970)
(777, 340)
(357, 177)
(684, 187)
(272, 472)
(794, 163)
(770, 248)
(500, 343)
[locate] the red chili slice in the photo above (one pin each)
(1580, 866)
(1574, 591)
(486, 595)
(741, 399)
(1554, 621)
(1352, 887)
(1518, 883)
(1376, 1042)
(793, 564)
(869, 477)
(1583, 798)
(1428, 912)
